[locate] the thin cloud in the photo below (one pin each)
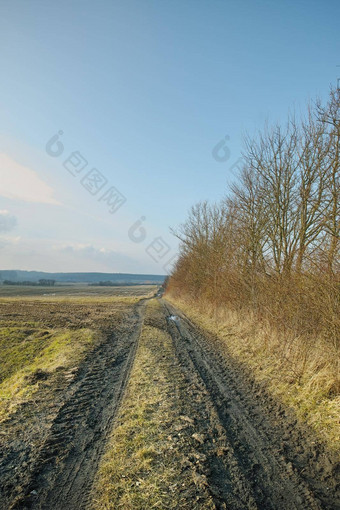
(7, 221)
(21, 183)
(94, 253)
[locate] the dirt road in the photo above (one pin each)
(68, 459)
(254, 454)
(267, 462)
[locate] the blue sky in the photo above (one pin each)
(143, 91)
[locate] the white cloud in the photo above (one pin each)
(7, 221)
(21, 183)
(91, 252)
(53, 256)
(9, 241)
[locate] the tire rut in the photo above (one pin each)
(255, 469)
(68, 459)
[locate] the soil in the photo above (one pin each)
(249, 452)
(264, 459)
(58, 474)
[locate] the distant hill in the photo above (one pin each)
(118, 278)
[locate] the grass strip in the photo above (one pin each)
(143, 465)
(298, 374)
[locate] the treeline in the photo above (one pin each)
(119, 284)
(272, 246)
(40, 283)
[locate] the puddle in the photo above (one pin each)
(174, 318)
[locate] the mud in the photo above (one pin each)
(266, 460)
(59, 475)
(240, 445)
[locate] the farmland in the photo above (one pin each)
(112, 398)
(72, 290)
(49, 344)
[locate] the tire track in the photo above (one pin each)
(253, 458)
(68, 459)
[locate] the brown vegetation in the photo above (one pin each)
(269, 253)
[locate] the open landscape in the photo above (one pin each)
(121, 401)
(64, 363)
(169, 255)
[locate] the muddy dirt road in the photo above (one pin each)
(267, 462)
(263, 460)
(64, 468)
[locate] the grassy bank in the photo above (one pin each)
(43, 338)
(299, 374)
(144, 466)
(29, 356)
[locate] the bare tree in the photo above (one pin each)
(274, 159)
(329, 117)
(313, 167)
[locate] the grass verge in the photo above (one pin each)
(299, 374)
(144, 464)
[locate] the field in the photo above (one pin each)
(113, 399)
(48, 346)
(74, 290)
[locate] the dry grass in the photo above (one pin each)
(142, 467)
(299, 373)
(25, 359)
(43, 336)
